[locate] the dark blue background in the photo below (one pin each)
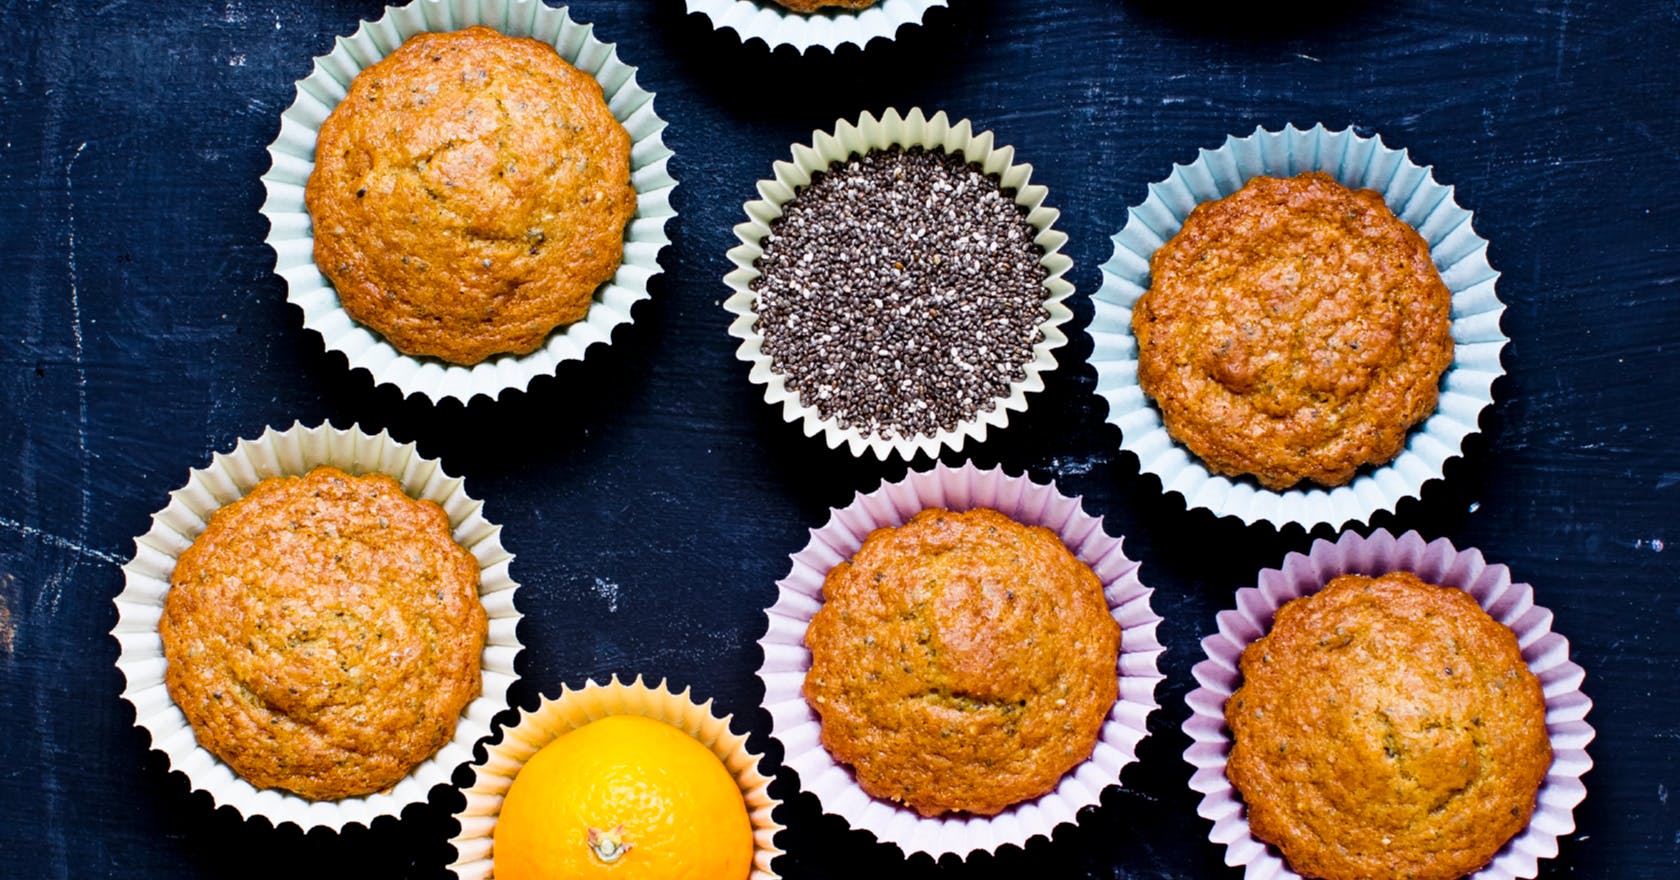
(652, 498)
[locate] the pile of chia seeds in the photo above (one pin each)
(901, 292)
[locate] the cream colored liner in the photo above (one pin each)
(554, 718)
(869, 133)
(829, 29)
(293, 158)
(294, 452)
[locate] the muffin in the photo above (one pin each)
(961, 662)
(323, 634)
(1387, 728)
(1295, 330)
(469, 195)
(814, 5)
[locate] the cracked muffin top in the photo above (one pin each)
(469, 195)
(1294, 330)
(1387, 728)
(962, 662)
(324, 633)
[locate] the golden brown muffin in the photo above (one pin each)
(1387, 728)
(1294, 330)
(814, 5)
(469, 194)
(324, 633)
(962, 662)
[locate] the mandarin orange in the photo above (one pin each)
(625, 797)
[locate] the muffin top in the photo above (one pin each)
(962, 662)
(1387, 728)
(1294, 330)
(469, 195)
(323, 633)
(814, 5)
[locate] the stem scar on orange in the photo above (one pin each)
(625, 797)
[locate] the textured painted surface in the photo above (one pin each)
(653, 499)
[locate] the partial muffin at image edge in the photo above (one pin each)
(324, 633)
(816, 5)
(1293, 331)
(470, 193)
(1387, 727)
(962, 662)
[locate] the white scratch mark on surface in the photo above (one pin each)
(76, 335)
(1564, 17)
(609, 591)
(1071, 467)
(1306, 57)
(52, 540)
(1668, 479)
(1662, 793)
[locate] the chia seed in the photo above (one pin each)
(901, 292)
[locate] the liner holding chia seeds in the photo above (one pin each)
(787, 660)
(1438, 562)
(871, 133)
(293, 158)
(554, 718)
(294, 452)
(776, 25)
(1410, 190)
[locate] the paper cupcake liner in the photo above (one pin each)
(786, 659)
(230, 476)
(293, 158)
(1413, 194)
(1438, 562)
(575, 708)
(893, 129)
(776, 25)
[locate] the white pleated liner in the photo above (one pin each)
(775, 25)
(573, 709)
(1437, 562)
(799, 595)
(871, 133)
(294, 452)
(1410, 190)
(292, 158)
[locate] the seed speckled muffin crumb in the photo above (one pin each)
(1295, 330)
(324, 633)
(469, 195)
(962, 662)
(814, 5)
(1387, 728)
